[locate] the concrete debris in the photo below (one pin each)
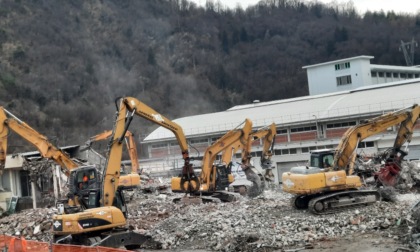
(264, 223)
(408, 177)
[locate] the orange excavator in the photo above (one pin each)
(126, 179)
(328, 183)
(77, 171)
(70, 167)
(214, 180)
(268, 135)
(104, 223)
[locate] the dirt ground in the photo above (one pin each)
(373, 242)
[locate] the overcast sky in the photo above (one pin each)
(407, 6)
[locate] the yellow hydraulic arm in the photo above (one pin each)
(406, 117)
(129, 142)
(207, 178)
(268, 133)
(134, 106)
(46, 149)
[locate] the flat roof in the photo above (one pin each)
(413, 69)
(339, 61)
(374, 99)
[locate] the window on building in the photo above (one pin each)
(281, 131)
(395, 75)
(159, 146)
(285, 151)
(303, 129)
(388, 75)
(410, 75)
(373, 74)
(416, 75)
(380, 74)
(199, 141)
(344, 65)
(238, 155)
(174, 144)
(214, 139)
(403, 75)
(341, 125)
(258, 153)
(305, 150)
(344, 80)
(368, 144)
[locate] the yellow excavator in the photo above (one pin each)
(126, 180)
(104, 222)
(214, 180)
(70, 167)
(268, 134)
(74, 169)
(328, 183)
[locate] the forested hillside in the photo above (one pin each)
(62, 63)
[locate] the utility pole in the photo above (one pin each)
(404, 47)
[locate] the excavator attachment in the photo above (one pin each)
(388, 174)
(258, 184)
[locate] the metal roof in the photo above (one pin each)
(367, 100)
(414, 69)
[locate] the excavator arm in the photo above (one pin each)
(46, 149)
(127, 108)
(130, 145)
(208, 176)
(405, 131)
(345, 152)
(268, 134)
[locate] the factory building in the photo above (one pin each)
(316, 121)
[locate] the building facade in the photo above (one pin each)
(303, 124)
(352, 73)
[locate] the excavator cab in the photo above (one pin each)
(322, 158)
(82, 182)
(224, 176)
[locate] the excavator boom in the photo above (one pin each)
(46, 149)
(214, 179)
(130, 145)
(268, 134)
(345, 151)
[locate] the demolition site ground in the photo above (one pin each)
(265, 223)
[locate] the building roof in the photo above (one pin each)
(309, 109)
(339, 61)
(413, 69)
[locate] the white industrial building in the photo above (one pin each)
(352, 73)
(303, 123)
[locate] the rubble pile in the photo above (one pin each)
(264, 223)
(33, 224)
(157, 185)
(269, 222)
(409, 175)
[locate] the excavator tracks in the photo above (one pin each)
(334, 202)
